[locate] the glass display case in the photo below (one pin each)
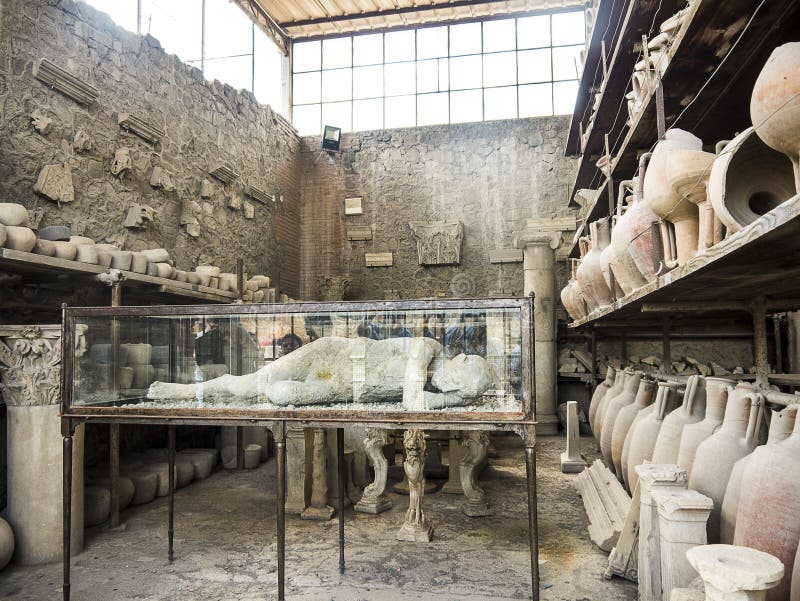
(465, 360)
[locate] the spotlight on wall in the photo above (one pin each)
(331, 138)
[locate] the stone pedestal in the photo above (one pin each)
(476, 444)
(735, 573)
(455, 453)
(682, 517)
(653, 477)
(572, 462)
(298, 470)
(318, 508)
(374, 499)
(416, 527)
(30, 372)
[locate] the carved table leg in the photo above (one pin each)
(416, 527)
(319, 509)
(374, 499)
(476, 444)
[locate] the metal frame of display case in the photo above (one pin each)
(278, 420)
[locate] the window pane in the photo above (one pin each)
(337, 85)
(569, 28)
(500, 103)
(401, 111)
(368, 82)
(536, 100)
(368, 49)
(533, 32)
(499, 35)
(500, 69)
(306, 120)
(566, 61)
(444, 74)
(268, 69)
(431, 42)
(564, 94)
(466, 106)
(306, 56)
(432, 109)
(338, 114)
(399, 79)
(368, 114)
(228, 29)
(336, 52)
(400, 46)
(428, 76)
(534, 66)
(465, 39)
(306, 88)
(178, 27)
(465, 72)
(123, 12)
(235, 71)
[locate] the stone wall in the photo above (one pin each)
(491, 176)
(204, 124)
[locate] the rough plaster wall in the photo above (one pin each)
(205, 123)
(491, 176)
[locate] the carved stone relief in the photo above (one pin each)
(234, 202)
(416, 527)
(55, 182)
(206, 189)
(189, 212)
(81, 142)
(139, 216)
(41, 122)
(65, 82)
(438, 242)
(249, 210)
(30, 365)
(121, 162)
(160, 178)
(374, 499)
(332, 287)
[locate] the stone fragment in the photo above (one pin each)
(12, 213)
(138, 126)
(65, 82)
(224, 174)
(160, 178)
(733, 573)
(651, 360)
(156, 255)
(353, 206)
(139, 216)
(572, 462)
(505, 255)
(55, 183)
(45, 248)
(476, 444)
(81, 142)
(121, 163)
(381, 259)
(606, 503)
(623, 559)
(738, 369)
(40, 122)
(55, 232)
(249, 210)
(206, 189)
(20, 238)
(438, 242)
(718, 370)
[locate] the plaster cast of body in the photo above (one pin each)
(321, 373)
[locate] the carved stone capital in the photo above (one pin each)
(534, 237)
(30, 365)
(438, 242)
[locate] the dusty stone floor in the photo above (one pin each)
(225, 547)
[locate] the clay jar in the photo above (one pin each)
(600, 393)
(736, 438)
(638, 230)
(775, 103)
(625, 418)
(616, 261)
(590, 272)
(693, 434)
(767, 518)
(691, 411)
(615, 405)
(645, 430)
(687, 173)
(780, 427)
(571, 296)
(616, 388)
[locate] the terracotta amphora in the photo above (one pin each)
(590, 271)
(795, 596)
(626, 397)
(625, 419)
(571, 296)
(691, 411)
(687, 173)
(780, 427)
(775, 103)
(616, 388)
(600, 393)
(645, 430)
(626, 447)
(736, 438)
(768, 518)
(639, 227)
(616, 259)
(694, 434)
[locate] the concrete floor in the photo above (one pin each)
(225, 547)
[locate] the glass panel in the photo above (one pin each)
(306, 56)
(306, 88)
(432, 109)
(368, 114)
(465, 39)
(536, 100)
(368, 82)
(466, 106)
(499, 69)
(499, 35)
(368, 49)
(123, 12)
(178, 26)
(400, 111)
(400, 46)
(400, 79)
(306, 119)
(336, 53)
(534, 66)
(431, 42)
(229, 32)
(533, 32)
(566, 62)
(465, 72)
(337, 85)
(569, 28)
(338, 114)
(236, 71)
(268, 69)
(428, 76)
(564, 94)
(500, 103)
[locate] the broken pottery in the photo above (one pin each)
(644, 397)
(644, 431)
(139, 262)
(86, 253)
(692, 410)
(614, 406)
(12, 213)
(45, 247)
(590, 271)
(687, 172)
(156, 255)
(599, 394)
(65, 250)
(20, 238)
(616, 388)
(121, 259)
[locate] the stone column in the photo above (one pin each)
(539, 273)
(572, 462)
(732, 573)
(653, 477)
(682, 517)
(319, 508)
(30, 372)
(298, 471)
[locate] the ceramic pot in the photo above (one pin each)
(571, 296)
(202, 460)
(121, 259)
(688, 172)
(748, 179)
(20, 238)
(590, 272)
(45, 248)
(3, 235)
(96, 505)
(775, 104)
(644, 398)
(620, 261)
(125, 488)
(139, 262)
(209, 270)
(6, 543)
(780, 427)
(767, 518)
(645, 430)
(795, 595)
(145, 484)
(716, 390)
(78, 240)
(12, 213)
(615, 405)
(86, 253)
(66, 250)
(599, 394)
(620, 378)
(640, 231)
(126, 375)
(185, 472)
(156, 255)
(736, 438)
(193, 278)
(691, 411)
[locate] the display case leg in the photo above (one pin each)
(340, 468)
(239, 448)
(113, 468)
(280, 475)
(533, 523)
(67, 507)
(171, 501)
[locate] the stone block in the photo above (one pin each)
(606, 503)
